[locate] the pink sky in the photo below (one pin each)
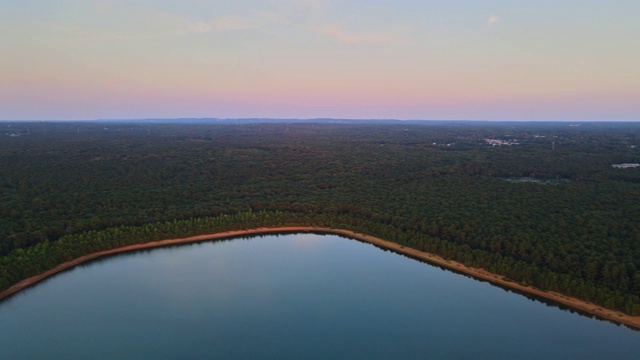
(492, 60)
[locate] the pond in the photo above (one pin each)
(305, 296)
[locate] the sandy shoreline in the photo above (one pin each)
(582, 306)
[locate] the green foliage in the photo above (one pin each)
(567, 221)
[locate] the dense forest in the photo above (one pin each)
(539, 203)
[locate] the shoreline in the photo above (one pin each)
(477, 273)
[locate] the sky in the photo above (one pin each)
(572, 60)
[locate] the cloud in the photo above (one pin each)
(492, 20)
(336, 32)
(233, 22)
(230, 23)
(200, 27)
(257, 20)
(115, 37)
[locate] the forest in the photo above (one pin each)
(539, 203)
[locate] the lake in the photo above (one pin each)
(304, 296)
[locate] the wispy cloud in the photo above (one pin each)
(83, 37)
(235, 22)
(294, 15)
(230, 23)
(337, 33)
(492, 20)
(200, 27)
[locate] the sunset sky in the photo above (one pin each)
(413, 59)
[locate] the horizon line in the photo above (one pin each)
(308, 119)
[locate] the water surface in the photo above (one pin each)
(290, 296)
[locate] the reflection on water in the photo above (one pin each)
(289, 296)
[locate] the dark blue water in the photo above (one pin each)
(301, 296)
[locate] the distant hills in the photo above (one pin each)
(362, 121)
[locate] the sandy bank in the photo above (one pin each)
(583, 306)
